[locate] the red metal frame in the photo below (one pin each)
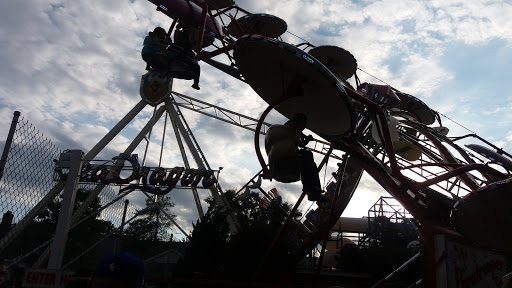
(286, 95)
(388, 174)
(331, 213)
(200, 35)
(500, 151)
(266, 172)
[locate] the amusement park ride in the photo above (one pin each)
(396, 138)
(393, 136)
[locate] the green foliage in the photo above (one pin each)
(207, 245)
(43, 228)
(51, 213)
(216, 253)
(152, 223)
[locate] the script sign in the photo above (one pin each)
(155, 180)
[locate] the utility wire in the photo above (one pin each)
(374, 76)
(456, 122)
(390, 85)
(435, 111)
(298, 37)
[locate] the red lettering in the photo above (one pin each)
(30, 276)
(133, 159)
(478, 274)
(49, 279)
(173, 176)
(157, 176)
(198, 178)
(99, 174)
(143, 173)
(40, 278)
(208, 179)
(188, 177)
(64, 279)
(150, 176)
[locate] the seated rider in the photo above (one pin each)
(155, 51)
(309, 174)
(158, 56)
(182, 38)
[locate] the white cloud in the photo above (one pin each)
(422, 75)
(509, 136)
(73, 69)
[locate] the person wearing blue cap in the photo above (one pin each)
(119, 270)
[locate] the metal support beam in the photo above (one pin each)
(115, 130)
(96, 191)
(236, 119)
(174, 123)
(198, 157)
(74, 158)
(136, 141)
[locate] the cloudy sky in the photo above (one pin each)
(73, 69)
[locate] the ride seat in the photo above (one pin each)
(182, 67)
(404, 149)
(155, 55)
(169, 58)
(286, 170)
(284, 162)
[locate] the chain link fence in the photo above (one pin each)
(28, 179)
(28, 171)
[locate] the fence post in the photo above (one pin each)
(8, 142)
(120, 238)
(73, 160)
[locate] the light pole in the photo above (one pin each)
(218, 175)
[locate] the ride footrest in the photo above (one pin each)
(286, 170)
(300, 233)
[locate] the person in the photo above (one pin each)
(3, 269)
(159, 56)
(182, 38)
(308, 174)
(119, 270)
(154, 51)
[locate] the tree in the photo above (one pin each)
(216, 253)
(80, 238)
(152, 223)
